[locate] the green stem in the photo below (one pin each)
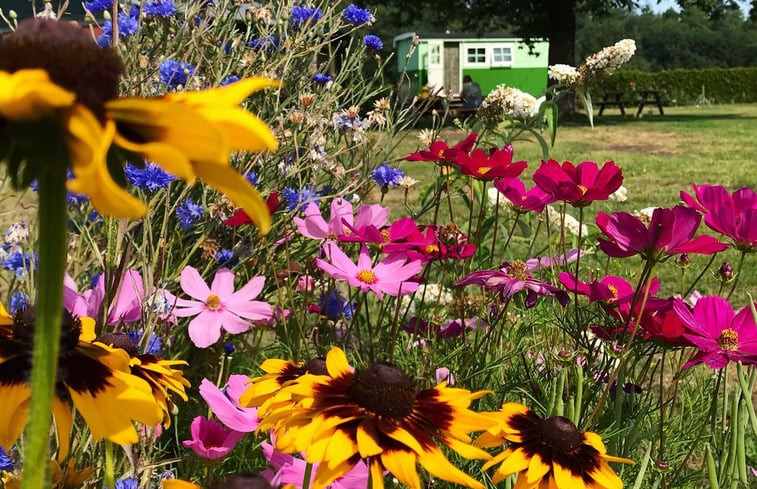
(739, 267)
(110, 479)
(52, 265)
(306, 476)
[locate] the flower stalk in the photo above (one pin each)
(52, 264)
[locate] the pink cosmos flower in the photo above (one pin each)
(514, 190)
(291, 470)
(734, 215)
(610, 289)
(511, 279)
(211, 440)
(225, 403)
(439, 152)
(390, 276)
(314, 225)
(371, 233)
(126, 306)
(218, 306)
(578, 185)
(720, 335)
(671, 231)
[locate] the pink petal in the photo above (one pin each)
(236, 418)
(714, 313)
(223, 283)
(193, 284)
(233, 323)
(205, 329)
(252, 289)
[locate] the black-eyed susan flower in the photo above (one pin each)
(163, 378)
(278, 373)
(376, 414)
(548, 453)
(58, 86)
(94, 377)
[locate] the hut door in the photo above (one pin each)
(435, 66)
(452, 67)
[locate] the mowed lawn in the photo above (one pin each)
(659, 155)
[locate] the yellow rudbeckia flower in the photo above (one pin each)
(57, 84)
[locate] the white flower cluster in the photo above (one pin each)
(608, 60)
(492, 194)
(620, 195)
(564, 75)
(431, 294)
(596, 66)
(508, 103)
(571, 223)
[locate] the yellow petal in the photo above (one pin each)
(564, 478)
(336, 362)
(178, 484)
(5, 318)
(402, 465)
(437, 465)
(29, 95)
(87, 334)
(14, 412)
(157, 120)
(606, 477)
(516, 462)
(377, 474)
(536, 469)
(325, 475)
(226, 96)
(168, 157)
(64, 419)
(227, 181)
(367, 440)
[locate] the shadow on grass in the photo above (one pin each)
(579, 120)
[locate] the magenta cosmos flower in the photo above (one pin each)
(341, 219)
(733, 215)
(512, 279)
(578, 185)
(610, 289)
(720, 335)
(670, 232)
(211, 440)
(291, 470)
(225, 403)
(218, 307)
(522, 200)
(439, 152)
(390, 276)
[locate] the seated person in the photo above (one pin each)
(471, 93)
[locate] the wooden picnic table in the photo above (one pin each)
(649, 96)
(613, 98)
(619, 99)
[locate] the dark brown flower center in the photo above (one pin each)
(383, 389)
(23, 329)
(120, 340)
(69, 55)
(560, 434)
(317, 366)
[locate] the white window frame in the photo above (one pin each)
(431, 54)
(475, 64)
(502, 63)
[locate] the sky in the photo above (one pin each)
(666, 4)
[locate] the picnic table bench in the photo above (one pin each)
(640, 97)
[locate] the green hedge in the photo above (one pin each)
(722, 85)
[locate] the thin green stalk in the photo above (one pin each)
(739, 268)
(52, 266)
(110, 479)
(306, 476)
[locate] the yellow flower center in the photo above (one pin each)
(366, 276)
(386, 236)
(728, 340)
(613, 290)
(582, 189)
(483, 170)
(213, 302)
(518, 270)
(431, 248)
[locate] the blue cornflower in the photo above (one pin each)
(252, 177)
(6, 463)
(322, 78)
(269, 43)
(127, 27)
(296, 199)
(358, 16)
(189, 213)
(98, 6)
(334, 306)
(94, 217)
(19, 262)
(151, 178)
(174, 73)
(345, 122)
(159, 8)
(19, 301)
(154, 344)
(304, 13)
(228, 347)
(386, 176)
(229, 80)
(128, 483)
(226, 258)
(372, 42)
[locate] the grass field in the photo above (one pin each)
(659, 155)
